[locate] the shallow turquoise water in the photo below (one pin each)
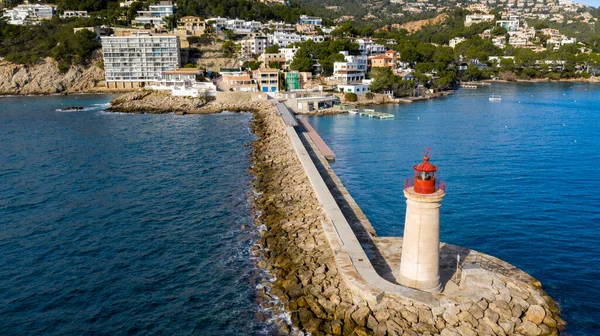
(124, 224)
(522, 179)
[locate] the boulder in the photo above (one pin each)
(360, 316)
(528, 328)
(535, 314)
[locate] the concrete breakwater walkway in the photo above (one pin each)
(333, 274)
(331, 268)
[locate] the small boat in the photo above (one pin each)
(354, 111)
(495, 98)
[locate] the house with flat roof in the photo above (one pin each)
(190, 26)
(357, 88)
(267, 79)
(74, 14)
(27, 14)
(312, 104)
(188, 82)
(155, 14)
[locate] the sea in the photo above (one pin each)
(125, 224)
(136, 224)
(522, 178)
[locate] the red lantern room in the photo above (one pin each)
(425, 177)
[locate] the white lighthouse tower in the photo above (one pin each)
(419, 267)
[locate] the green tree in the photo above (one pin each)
(350, 97)
(272, 49)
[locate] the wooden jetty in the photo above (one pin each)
(316, 138)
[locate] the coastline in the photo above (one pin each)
(591, 80)
(317, 293)
(308, 281)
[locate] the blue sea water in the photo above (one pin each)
(523, 179)
(124, 224)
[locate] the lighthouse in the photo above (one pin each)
(419, 266)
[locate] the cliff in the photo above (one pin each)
(45, 78)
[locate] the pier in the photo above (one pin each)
(341, 276)
(316, 138)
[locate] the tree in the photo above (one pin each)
(228, 48)
(385, 80)
(302, 64)
(499, 31)
(351, 97)
(472, 73)
(272, 49)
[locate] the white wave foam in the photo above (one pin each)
(92, 107)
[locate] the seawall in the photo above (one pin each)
(329, 274)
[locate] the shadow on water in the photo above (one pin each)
(364, 237)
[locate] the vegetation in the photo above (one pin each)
(326, 53)
(273, 49)
(350, 97)
(52, 38)
(384, 80)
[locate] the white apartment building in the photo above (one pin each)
(509, 25)
(74, 14)
(135, 60)
(289, 53)
(237, 26)
(28, 14)
(310, 20)
(358, 62)
(281, 27)
(184, 82)
(352, 70)
(478, 18)
(254, 45)
(155, 14)
(284, 39)
(368, 47)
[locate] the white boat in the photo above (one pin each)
(468, 86)
(495, 98)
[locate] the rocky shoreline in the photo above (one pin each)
(294, 249)
(308, 283)
(45, 78)
(160, 102)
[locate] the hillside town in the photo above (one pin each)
(196, 56)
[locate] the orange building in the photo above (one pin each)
(389, 59)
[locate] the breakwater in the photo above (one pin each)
(333, 275)
(325, 297)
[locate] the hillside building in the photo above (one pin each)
(155, 14)
(136, 60)
(267, 79)
(190, 26)
(28, 14)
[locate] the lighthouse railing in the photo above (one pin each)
(439, 184)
